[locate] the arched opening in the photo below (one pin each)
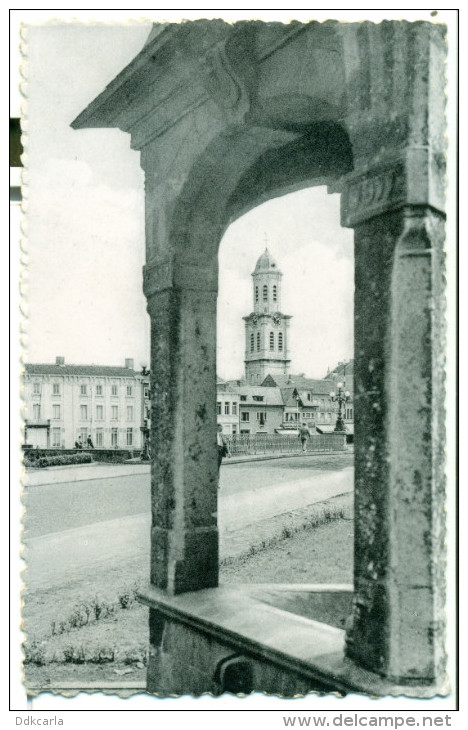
(283, 385)
(253, 126)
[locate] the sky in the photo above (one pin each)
(84, 242)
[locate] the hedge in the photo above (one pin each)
(63, 460)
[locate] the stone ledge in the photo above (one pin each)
(237, 617)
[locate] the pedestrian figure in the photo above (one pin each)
(304, 436)
(222, 447)
(89, 441)
(77, 445)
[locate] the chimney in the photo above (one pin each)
(129, 363)
(59, 360)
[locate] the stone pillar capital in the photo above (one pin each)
(164, 274)
(414, 176)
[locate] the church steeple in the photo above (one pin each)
(266, 328)
(266, 284)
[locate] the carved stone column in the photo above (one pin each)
(398, 620)
(184, 536)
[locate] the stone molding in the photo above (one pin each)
(416, 177)
(164, 275)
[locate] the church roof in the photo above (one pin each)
(265, 263)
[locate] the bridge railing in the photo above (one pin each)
(275, 443)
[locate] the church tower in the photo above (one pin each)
(266, 328)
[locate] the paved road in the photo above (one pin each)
(108, 495)
(72, 528)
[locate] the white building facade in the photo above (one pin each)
(66, 405)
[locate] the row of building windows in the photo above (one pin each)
(229, 408)
(265, 293)
(272, 341)
(84, 389)
(98, 439)
(57, 412)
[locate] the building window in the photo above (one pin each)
(234, 409)
(272, 340)
(129, 436)
(114, 437)
(129, 413)
(83, 434)
(243, 397)
(234, 430)
(349, 413)
(129, 390)
(36, 412)
(245, 416)
(99, 413)
(244, 431)
(56, 412)
(308, 396)
(56, 438)
(98, 389)
(218, 408)
(275, 293)
(261, 417)
(99, 437)
(226, 409)
(56, 389)
(265, 293)
(114, 390)
(257, 397)
(256, 293)
(84, 413)
(252, 342)
(83, 390)
(37, 388)
(115, 413)
(146, 393)
(280, 341)
(258, 340)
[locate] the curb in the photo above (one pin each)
(270, 457)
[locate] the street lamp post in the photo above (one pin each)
(341, 397)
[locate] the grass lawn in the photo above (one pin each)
(95, 631)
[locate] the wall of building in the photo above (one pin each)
(109, 409)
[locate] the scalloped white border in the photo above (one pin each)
(257, 702)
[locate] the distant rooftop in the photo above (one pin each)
(60, 368)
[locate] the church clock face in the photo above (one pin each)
(254, 319)
(276, 319)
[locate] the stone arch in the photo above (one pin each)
(243, 168)
(227, 117)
